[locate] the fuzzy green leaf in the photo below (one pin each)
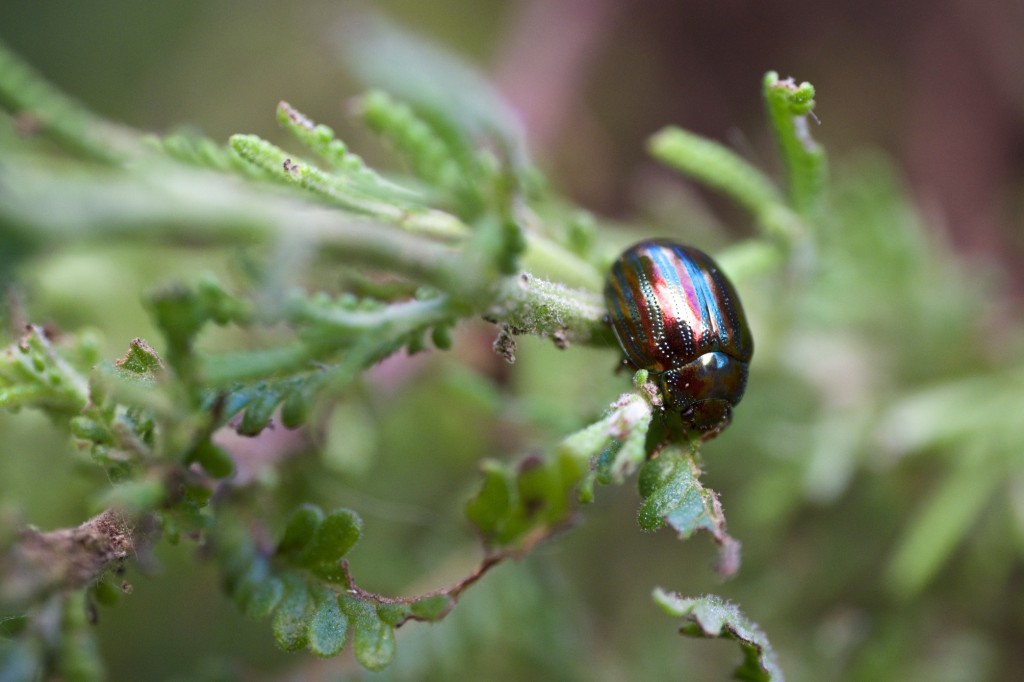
(537, 493)
(427, 152)
(534, 495)
(214, 459)
(441, 336)
(293, 614)
(627, 458)
(141, 361)
(248, 578)
(106, 594)
(600, 471)
(334, 537)
(262, 597)
(321, 140)
(180, 313)
(344, 191)
(135, 496)
(374, 640)
(201, 151)
(610, 449)
(258, 412)
(12, 626)
(329, 626)
(295, 408)
(432, 608)
(90, 430)
(242, 583)
(542, 492)
(394, 613)
(672, 495)
(77, 656)
(585, 443)
(301, 529)
(455, 99)
(179, 316)
(354, 176)
(32, 372)
(710, 617)
(490, 506)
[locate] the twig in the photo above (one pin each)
(38, 564)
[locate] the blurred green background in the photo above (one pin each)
(875, 470)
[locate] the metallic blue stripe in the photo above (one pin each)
(628, 316)
(707, 298)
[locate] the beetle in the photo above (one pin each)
(676, 315)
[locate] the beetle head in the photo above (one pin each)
(705, 390)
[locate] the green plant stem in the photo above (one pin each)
(165, 202)
(50, 111)
(548, 259)
(746, 260)
(408, 314)
(32, 372)
(524, 304)
(722, 169)
(185, 206)
(343, 191)
(531, 305)
(942, 521)
(789, 107)
(330, 328)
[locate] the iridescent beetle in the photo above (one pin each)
(676, 315)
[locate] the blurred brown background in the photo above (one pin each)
(937, 84)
